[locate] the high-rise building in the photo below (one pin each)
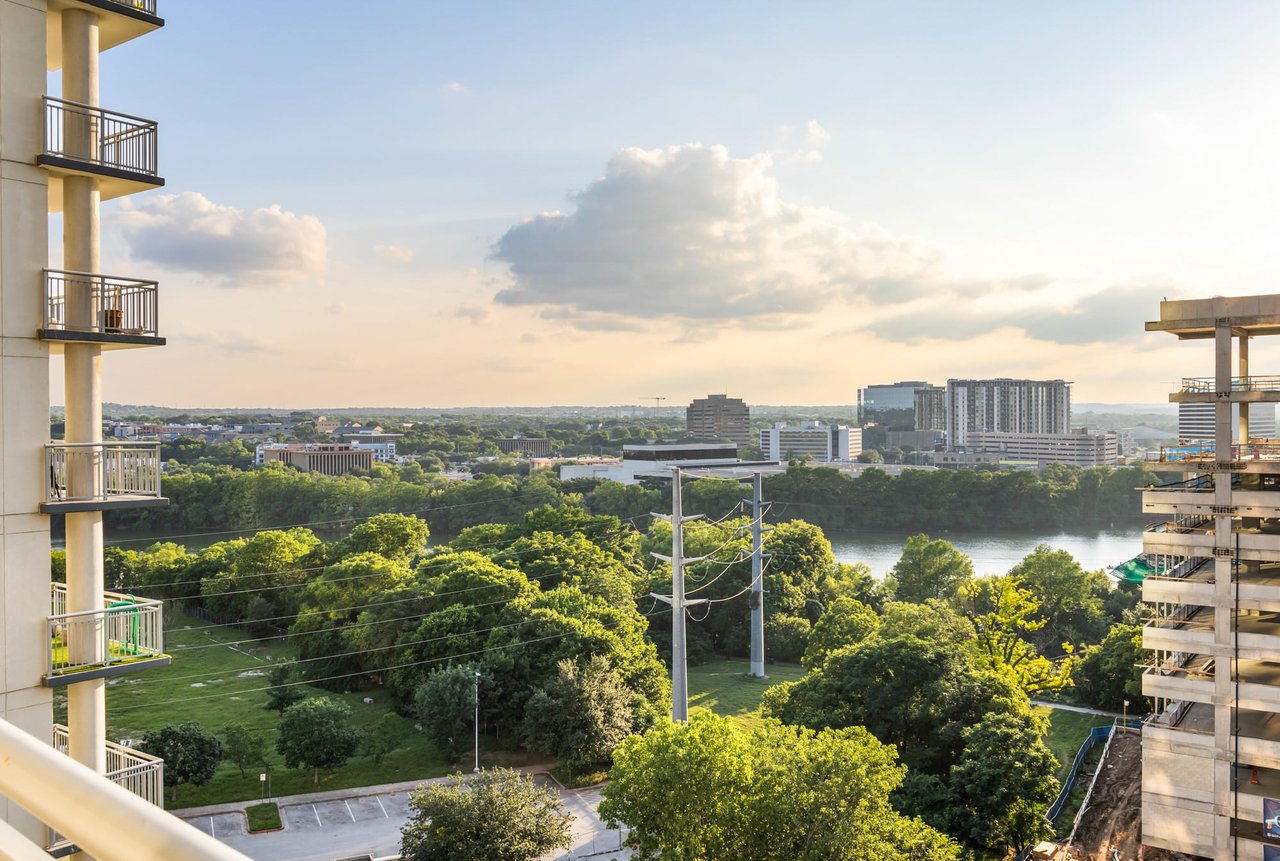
(822, 442)
(882, 398)
(66, 154)
(719, 417)
(1198, 421)
(1006, 405)
(931, 408)
(1211, 751)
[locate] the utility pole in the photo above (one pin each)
(679, 643)
(477, 768)
(757, 576)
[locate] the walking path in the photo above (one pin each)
(323, 826)
(1079, 709)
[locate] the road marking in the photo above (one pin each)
(349, 813)
(317, 813)
(384, 810)
(212, 830)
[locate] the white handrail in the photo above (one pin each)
(107, 821)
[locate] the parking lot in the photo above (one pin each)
(309, 817)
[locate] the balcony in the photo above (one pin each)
(96, 476)
(1209, 385)
(1257, 455)
(118, 21)
(99, 309)
(1181, 677)
(127, 634)
(139, 772)
(119, 150)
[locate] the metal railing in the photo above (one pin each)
(1201, 385)
(83, 302)
(137, 771)
(105, 820)
(105, 138)
(147, 7)
(126, 629)
(1204, 452)
(1183, 524)
(100, 472)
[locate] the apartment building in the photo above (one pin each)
(719, 417)
(66, 788)
(822, 442)
(1081, 447)
(1006, 405)
(1211, 752)
(931, 408)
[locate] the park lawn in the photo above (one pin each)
(214, 685)
(1067, 731)
(725, 688)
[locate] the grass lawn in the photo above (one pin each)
(725, 688)
(1067, 731)
(263, 817)
(214, 684)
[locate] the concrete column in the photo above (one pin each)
(86, 701)
(1244, 372)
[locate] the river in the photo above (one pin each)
(993, 552)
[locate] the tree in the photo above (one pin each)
(580, 716)
(190, 754)
(317, 733)
(846, 622)
(384, 737)
(445, 704)
(712, 791)
(501, 815)
(1004, 615)
(929, 568)
(1005, 782)
(243, 747)
(1111, 672)
(284, 688)
(399, 537)
(1071, 599)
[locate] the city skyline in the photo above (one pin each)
(441, 206)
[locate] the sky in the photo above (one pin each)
(431, 204)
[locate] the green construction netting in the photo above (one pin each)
(1134, 571)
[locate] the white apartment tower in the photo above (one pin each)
(1211, 752)
(1006, 406)
(63, 788)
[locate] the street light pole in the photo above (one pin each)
(477, 768)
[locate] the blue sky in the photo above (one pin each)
(433, 204)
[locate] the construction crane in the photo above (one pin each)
(657, 403)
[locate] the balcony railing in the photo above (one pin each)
(147, 7)
(126, 630)
(1205, 452)
(1201, 385)
(83, 475)
(83, 133)
(99, 304)
(140, 773)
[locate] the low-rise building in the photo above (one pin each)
(821, 442)
(1081, 447)
(525, 446)
(332, 458)
(653, 460)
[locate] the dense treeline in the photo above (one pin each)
(220, 497)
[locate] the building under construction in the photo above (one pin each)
(1211, 753)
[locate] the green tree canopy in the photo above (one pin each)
(445, 704)
(243, 746)
(190, 754)
(1111, 672)
(712, 791)
(581, 715)
(316, 733)
(846, 622)
(501, 815)
(929, 568)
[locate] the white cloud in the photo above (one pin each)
(816, 135)
(475, 313)
(456, 88)
(690, 233)
(234, 247)
(395, 252)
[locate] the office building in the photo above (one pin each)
(1211, 751)
(719, 417)
(653, 460)
(332, 458)
(878, 399)
(1198, 421)
(525, 446)
(1081, 447)
(1006, 406)
(820, 442)
(66, 787)
(931, 408)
